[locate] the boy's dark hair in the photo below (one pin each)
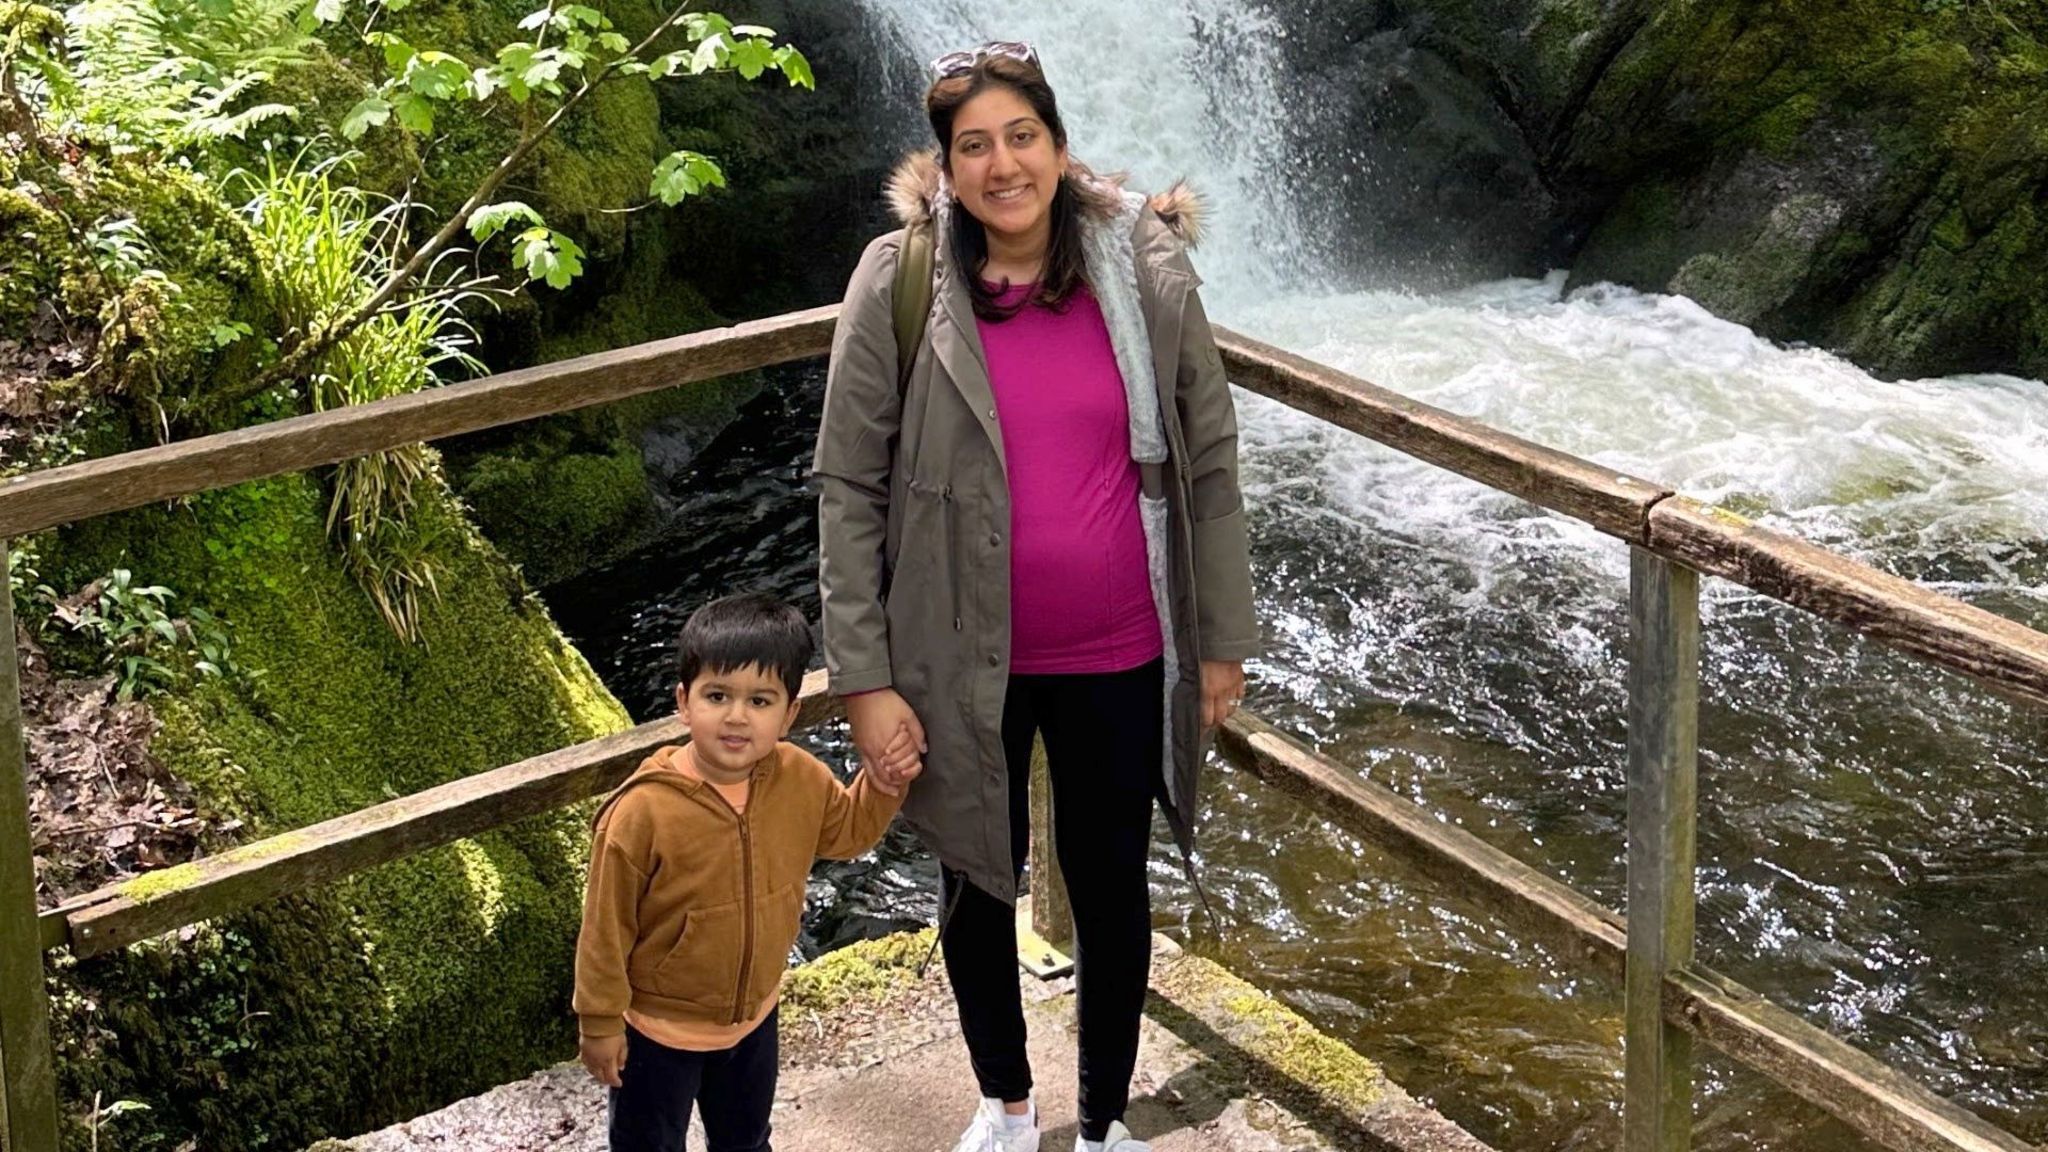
(752, 629)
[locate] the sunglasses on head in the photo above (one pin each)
(960, 63)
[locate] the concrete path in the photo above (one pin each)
(873, 1063)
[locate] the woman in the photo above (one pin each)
(1035, 530)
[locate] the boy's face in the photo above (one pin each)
(735, 717)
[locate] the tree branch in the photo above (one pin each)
(324, 336)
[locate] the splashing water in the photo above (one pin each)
(1868, 842)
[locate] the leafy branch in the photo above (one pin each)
(533, 74)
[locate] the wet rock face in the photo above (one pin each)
(1864, 176)
(1421, 174)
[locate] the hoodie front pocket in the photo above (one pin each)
(703, 966)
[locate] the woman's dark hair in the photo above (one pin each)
(754, 630)
(1065, 267)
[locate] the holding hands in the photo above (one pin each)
(889, 738)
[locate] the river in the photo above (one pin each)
(1871, 852)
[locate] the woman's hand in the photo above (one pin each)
(1222, 689)
(888, 736)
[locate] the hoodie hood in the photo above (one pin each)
(918, 188)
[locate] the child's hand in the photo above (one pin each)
(901, 762)
(605, 1056)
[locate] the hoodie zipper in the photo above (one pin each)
(739, 997)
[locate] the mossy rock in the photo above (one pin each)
(406, 986)
(569, 493)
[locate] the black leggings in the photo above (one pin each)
(1102, 746)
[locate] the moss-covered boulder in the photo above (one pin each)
(1863, 175)
(415, 983)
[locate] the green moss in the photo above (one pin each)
(865, 970)
(569, 493)
(1284, 1051)
(29, 235)
(464, 953)
(1923, 127)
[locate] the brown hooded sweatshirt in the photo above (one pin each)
(691, 909)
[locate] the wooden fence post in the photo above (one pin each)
(1663, 742)
(1045, 938)
(28, 1084)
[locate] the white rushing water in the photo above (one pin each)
(1650, 384)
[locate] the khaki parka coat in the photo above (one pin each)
(914, 512)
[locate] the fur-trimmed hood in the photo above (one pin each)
(915, 188)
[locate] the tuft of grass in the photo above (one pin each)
(324, 245)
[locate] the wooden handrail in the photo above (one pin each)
(53, 496)
(1614, 502)
(156, 902)
(1942, 630)
(1877, 1100)
(1939, 629)
(1869, 1096)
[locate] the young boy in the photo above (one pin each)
(697, 876)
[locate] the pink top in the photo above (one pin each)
(1080, 591)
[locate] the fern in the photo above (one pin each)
(172, 75)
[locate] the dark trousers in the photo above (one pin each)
(1103, 745)
(650, 1111)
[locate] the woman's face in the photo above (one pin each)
(1004, 164)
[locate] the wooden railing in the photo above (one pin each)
(1669, 998)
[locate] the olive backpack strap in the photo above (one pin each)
(911, 296)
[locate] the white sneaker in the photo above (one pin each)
(1117, 1139)
(990, 1132)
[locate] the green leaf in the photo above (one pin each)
(568, 262)
(369, 112)
(669, 63)
(492, 219)
(542, 68)
(547, 255)
(437, 75)
(120, 1107)
(415, 112)
(710, 55)
(397, 53)
(752, 57)
(535, 18)
(795, 67)
(580, 14)
(165, 629)
(485, 81)
(613, 42)
(701, 25)
(684, 174)
(752, 30)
